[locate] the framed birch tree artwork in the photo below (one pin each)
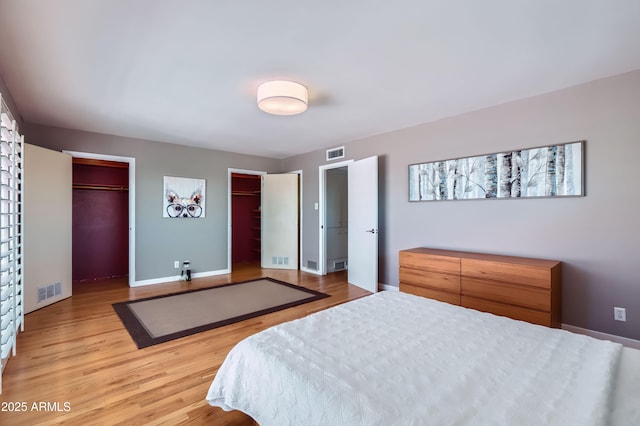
(548, 171)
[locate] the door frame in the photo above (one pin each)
(132, 202)
(322, 219)
(232, 170)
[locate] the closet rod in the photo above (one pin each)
(101, 187)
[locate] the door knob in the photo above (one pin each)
(372, 230)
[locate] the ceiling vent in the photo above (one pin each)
(335, 153)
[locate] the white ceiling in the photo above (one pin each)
(186, 71)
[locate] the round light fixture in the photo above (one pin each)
(282, 97)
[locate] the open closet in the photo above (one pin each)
(245, 218)
(100, 219)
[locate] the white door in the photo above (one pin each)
(279, 212)
(363, 224)
(48, 202)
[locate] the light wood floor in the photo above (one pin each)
(77, 354)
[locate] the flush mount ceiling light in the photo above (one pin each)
(282, 97)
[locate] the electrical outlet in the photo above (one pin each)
(176, 264)
(620, 314)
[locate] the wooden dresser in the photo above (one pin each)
(517, 287)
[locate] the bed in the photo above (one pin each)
(397, 359)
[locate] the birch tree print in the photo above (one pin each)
(516, 172)
(550, 178)
(491, 176)
(549, 171)
(505, 175)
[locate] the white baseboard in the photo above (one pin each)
(177, 277)
(630, 343)
(210, 273)
(387, 287)
(311, 271)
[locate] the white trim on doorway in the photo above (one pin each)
(322, 237)
(300, 219)
(132, 203)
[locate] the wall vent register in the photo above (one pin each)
(335, 153)
(339, 266)
(47, 292)
(280, 260)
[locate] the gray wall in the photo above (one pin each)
(160, 241)
(597, 237)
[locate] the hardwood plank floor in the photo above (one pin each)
(76, 364)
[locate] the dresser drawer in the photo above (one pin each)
(519, 295)
(435, 280)
(511, 311)
(442, 296)
(507, 272)
(432, 263)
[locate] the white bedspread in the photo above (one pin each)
(397, 359)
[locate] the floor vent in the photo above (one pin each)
(311, 264)
(335, 153)
(47, 292)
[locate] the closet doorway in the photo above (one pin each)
(253, 235)
(245, 219)
(334, 217)
(336, 213)
(100, 218)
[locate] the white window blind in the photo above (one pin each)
(11, 270)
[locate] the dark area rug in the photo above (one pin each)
(162, 318)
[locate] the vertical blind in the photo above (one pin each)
(11, 270)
